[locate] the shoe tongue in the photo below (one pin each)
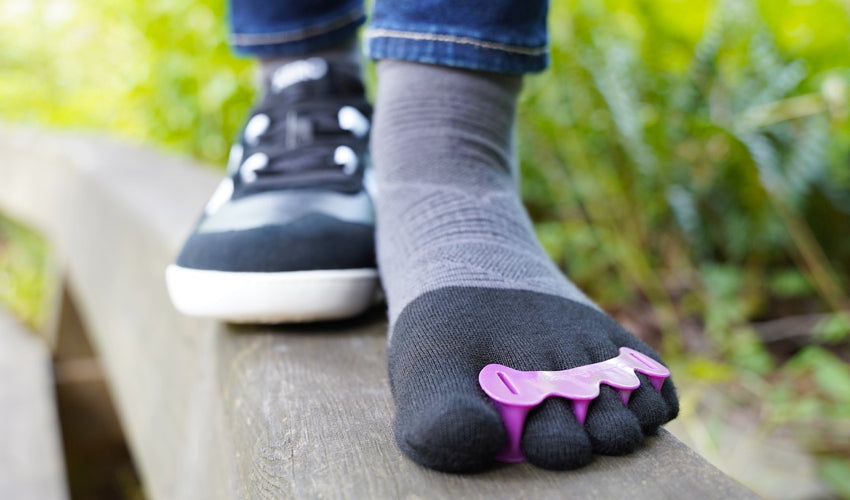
(315, 77)
(305, 70)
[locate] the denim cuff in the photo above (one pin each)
(302, 39)
(454, 50)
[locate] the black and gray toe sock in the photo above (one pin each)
(468, 284)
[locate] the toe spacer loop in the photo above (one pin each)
(516, 392)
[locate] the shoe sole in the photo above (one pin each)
(282, 297)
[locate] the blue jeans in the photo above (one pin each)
(502, 36)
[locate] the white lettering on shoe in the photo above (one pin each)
(304, 70)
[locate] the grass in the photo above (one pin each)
(686, 162)
(23, 272)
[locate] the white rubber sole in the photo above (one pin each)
(285, 297)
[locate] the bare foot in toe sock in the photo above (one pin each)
(468, 284)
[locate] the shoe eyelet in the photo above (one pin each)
(351, 119)
(253, 163)
(347, 158)
(256, 127)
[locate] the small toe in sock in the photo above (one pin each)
(668, 393)
(553, 438)
(457, 433)
(648, 406)
(613, 428)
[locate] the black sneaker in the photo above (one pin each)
(289, 235)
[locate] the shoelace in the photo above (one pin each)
(314, 140)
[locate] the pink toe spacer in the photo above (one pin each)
(516, 392)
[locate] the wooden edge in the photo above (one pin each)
(31, 460)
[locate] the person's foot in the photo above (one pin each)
(288, 236)
(468, 284)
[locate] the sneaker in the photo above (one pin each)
(288, 236)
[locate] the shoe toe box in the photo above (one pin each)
(311, 242)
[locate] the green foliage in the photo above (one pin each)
(23, 262)
(155, 71)
(834, 329)
(836, 471)
(829, 375)
(691, 142)
(811, 395)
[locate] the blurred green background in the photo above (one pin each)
(687, 162)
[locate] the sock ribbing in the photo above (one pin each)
(449, 213)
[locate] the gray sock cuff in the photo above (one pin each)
(412, 75)
(428, 117)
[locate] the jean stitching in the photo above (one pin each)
(299, 34)
(436, 37)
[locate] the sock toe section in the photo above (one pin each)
(553, 438)
(668, 393)
(648, 406)
(613, 428)
(454, 434)
(445, 421)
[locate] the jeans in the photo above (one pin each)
(502, 36)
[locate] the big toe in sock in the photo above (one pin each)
(442, 339)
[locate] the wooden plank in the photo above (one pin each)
(212, 411)
(31, 463)
(315, 407)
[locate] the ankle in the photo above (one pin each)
(441, 125)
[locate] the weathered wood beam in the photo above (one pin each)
(31, 463)
(212, 411)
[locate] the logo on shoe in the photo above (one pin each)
(304, 70)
